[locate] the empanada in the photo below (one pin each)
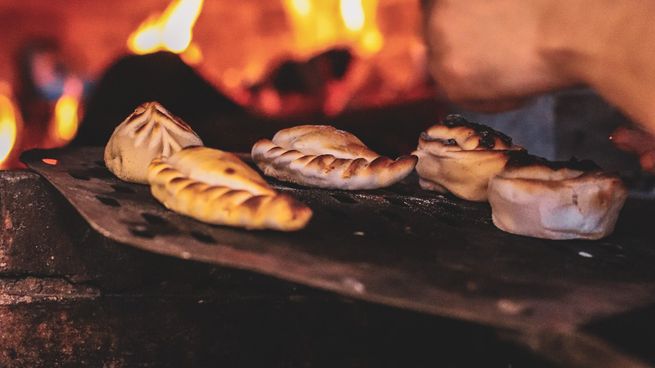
(460, 157)
(323, 156)
(555, 200)
(149, 132)
(217, 187)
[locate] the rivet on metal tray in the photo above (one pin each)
(142, 232)
(353, 284)
(154, 219)
(510, 307)
(122, 189)
(344, 198)
(585, 254)
(79, 175)
(202, 237)
(108, 201)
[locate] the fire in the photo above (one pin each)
(8, 128)
(302, 7)
(321, 24)
(352, 13)
(65, 119)
(171, 31)
(9, 120)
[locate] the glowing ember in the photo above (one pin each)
(8, 124)
(50, 161)
(171, 31)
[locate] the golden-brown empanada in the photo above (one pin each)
(323, 156)
(217, 187)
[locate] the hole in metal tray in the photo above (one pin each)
(202, 237)
(142, 232)
(108, 201)
(154, 219)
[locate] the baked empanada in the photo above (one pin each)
(217, 187)
(555, 200)
(149, 132)
(460, 157)
(323, 156)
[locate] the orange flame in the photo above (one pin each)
(320, 24)
(9, 121)
(171, 31)
(65, 119)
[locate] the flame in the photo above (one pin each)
(171, 31)
(302, 7)
(8, 128)
(66, 118)
(352, 13)
(321, 24)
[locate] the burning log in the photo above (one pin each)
(10, 127)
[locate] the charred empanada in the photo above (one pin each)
(149, 132)
(555, 200)
(460, 157)
(218, 188)
(323, 156)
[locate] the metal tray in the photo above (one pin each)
(400, 246)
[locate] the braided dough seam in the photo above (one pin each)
(346, 164)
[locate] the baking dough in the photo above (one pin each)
(460, 157)
(323, 156)
(216, 187)
(555, 200)
(149, 132)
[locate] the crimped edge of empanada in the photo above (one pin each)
(329, 171)
(222, 205)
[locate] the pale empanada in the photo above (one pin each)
(555, 200)
(460, 157)
(217, 187)
(323, 156)
(149, 132)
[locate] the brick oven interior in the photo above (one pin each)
(69, 296)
